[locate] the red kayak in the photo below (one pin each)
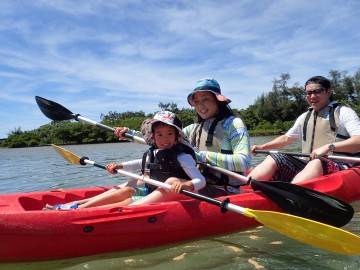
(28, 233)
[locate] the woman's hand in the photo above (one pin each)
(120, 131)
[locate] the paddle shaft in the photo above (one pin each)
(234, 175)
(231, 174)
(224, 205)
(350, 159)
(80, 118)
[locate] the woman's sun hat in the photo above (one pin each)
(210, 85)
(165, 117)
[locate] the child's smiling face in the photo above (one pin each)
(164, 136)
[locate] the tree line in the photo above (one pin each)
(273, 112)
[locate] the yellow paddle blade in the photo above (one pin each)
(308, 231)
(72, 158)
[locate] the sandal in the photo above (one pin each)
(63, 206)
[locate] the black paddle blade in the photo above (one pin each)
(306, 203)
(53, 110)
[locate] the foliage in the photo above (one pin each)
(273, 112)
(282, 103)
(279, 108)
(59, 132)
(113, 117)
(172, 107)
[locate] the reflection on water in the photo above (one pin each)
(33, 169)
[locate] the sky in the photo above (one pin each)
(95, 56)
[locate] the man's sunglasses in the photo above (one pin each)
(315, 92)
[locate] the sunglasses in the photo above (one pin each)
(315, 92)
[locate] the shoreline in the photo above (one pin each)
(251, 134)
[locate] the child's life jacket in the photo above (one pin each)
(163, 164)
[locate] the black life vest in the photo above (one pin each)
(163, 164)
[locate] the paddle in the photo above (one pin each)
(344, 158)
(57, 112)
(293, 199)
(300, 201)
(304, 230)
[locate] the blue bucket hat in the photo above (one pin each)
(210, 85)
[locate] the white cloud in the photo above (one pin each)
(101, 56)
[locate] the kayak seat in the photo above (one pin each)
(31, 204)
(58, 197)
(53, 197)
(35, 204)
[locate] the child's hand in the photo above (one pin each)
(178, 186)
(111, 168)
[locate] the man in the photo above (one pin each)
(326, 128)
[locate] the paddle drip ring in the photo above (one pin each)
(82, 160)
(249, 181)
(223, 205)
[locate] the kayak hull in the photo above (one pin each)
(28, 233)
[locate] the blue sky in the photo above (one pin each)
(98, 56)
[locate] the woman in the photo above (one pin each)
(220, 136)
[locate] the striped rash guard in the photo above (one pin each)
(234, 152)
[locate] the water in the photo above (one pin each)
(34, 169)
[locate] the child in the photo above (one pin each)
(169, 160)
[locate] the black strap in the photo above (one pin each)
(150, 153)
(333, 126)
(144, 162)
(210, 137)
(342, 136)
(306, 123)
(313, 132)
